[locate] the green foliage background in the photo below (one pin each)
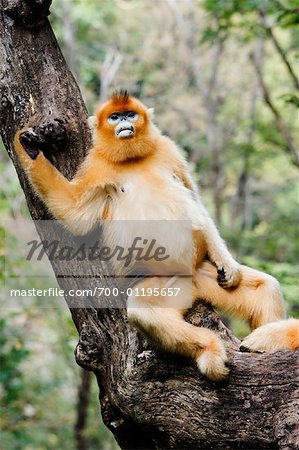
(192, 61)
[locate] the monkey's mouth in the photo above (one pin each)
(124, 132)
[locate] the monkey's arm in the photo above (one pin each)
(69, 201)
(179, 165)
(229, 273)
(228, 269)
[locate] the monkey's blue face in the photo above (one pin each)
(123, 121)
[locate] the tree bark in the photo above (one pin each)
(148, 400)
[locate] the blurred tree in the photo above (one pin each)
(255, 17)
(14, 401)
(82, 408)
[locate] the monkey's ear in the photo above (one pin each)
(151, 112)
(92, 122)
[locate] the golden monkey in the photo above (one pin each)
(133, 172)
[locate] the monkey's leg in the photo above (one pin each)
(257, 298)
(281, 335)
(167, 329)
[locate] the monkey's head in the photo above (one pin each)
(123, 128)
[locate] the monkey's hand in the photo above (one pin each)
(28, 140)
(48, 136)
(229, 275)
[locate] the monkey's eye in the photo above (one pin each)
(132, 116)
(114, 118)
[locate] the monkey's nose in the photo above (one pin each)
(125, 129)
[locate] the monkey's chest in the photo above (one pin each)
(158, 196)
(156, 212)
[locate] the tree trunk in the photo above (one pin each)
(148, 400)
(241, 210)
(82, 410)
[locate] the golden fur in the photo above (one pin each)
(145, 177)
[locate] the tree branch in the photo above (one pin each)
(279, 49)
(290, 146)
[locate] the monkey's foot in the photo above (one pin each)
(228, 276)
(212, 362)
(47, 136)
(281, 335)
